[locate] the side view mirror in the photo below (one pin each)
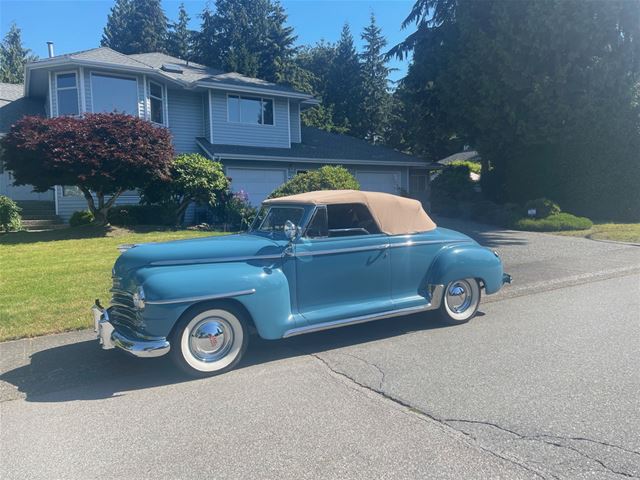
(291, 231)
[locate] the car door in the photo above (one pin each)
(342, 265)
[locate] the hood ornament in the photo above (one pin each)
(126, 246)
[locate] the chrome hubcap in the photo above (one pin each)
(211, 339)
(459, 296)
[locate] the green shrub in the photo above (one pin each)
(451, 190)
(325, 178)
(553, 223)
(131, 215)
(475, 167)
(84, 217)
(9, 214)
(543, 207)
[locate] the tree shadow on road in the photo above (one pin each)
(82, 371)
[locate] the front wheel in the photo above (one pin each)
(209, 341)
(460, 301)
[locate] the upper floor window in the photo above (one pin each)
(157, 102)
(67, 93)
(114, 94)
(253, 110)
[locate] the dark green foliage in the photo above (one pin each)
(554, 223)
(547, 92)
(13, 56)
(474, 167)
(486, 211)
(193, 178)
(9, 214)
(179, 37)
(325, 178)
(79, 218)
(246, 36)
(543, 207)
(136, 26)
(375, 103)
(132, 215)
(344, 82)
(234, 211)
(454, 183)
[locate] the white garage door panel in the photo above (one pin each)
(388, 182)
(258, 183)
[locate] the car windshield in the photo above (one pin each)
(272, 219)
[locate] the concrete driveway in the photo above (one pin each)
(544, 383)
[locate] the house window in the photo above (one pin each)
(253, 110)
(157, 102)
(114, 94)
(67, 94)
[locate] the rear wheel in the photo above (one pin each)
(209, 341)
(460, 301)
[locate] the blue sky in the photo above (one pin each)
(77, 24)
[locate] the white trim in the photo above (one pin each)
(163, 100)
(259, 91)
(230, 156)
(146, 98)
(55, 197)
(100, 74)
(210, 108)
(262, 99)
(288, 120)
(165, 106)
(51, 98)
(83, 98)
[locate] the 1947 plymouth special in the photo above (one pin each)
(310, 262)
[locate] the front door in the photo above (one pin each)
(342, 266)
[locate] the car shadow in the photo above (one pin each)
(82, 371)
(486, 235)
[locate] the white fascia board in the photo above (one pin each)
(246, 89)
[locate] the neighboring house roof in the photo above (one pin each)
(320, 147)
(13, 105)
(460, 156)
(193, 74)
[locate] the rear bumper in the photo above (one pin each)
(109, 338)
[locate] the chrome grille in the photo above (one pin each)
(122, 310)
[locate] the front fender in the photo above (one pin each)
(269, 304)
(466, 261)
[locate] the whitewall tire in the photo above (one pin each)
(460, 301)
(209, 341)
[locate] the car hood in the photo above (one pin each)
(197, 250)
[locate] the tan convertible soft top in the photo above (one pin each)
(394, 215)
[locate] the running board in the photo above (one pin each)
(436, 298)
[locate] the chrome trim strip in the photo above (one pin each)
(436, 296)
(411, 243)
(196, 261)
(342, 250)
(201, 298)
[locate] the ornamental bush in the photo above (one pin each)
(325, 178)
(543, 207)
(9, 214)
(83, 217)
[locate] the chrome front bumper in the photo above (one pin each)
(110, 338)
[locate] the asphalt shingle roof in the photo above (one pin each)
(320, 145)
(13, 105)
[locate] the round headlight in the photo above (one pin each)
(138, 298)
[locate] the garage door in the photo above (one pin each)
(388, 182)
(258, 183)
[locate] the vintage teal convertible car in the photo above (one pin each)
(310, 262)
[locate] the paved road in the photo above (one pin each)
(540, 385)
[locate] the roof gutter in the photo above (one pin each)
(262, 91)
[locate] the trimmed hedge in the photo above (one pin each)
(9, 214)
(543, 207)
(554, 223)
(325, 178)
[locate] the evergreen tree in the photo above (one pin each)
(136, 26)
(375, 98)
(344, 81)
(13, 56)
(180, 38)
(248, 37)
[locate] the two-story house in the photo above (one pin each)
(252, 126)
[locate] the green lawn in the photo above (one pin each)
(49, 280)
(620, 232)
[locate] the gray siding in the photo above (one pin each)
(228, 133)
(206, 113)
(68, 205)
(186, 119)
(295, 122)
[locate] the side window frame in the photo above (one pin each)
(319, 208)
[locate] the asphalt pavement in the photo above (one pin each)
(543, 383)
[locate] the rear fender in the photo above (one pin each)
(466, 261)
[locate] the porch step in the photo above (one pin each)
(43, 224)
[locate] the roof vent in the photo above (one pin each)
(171, 67)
